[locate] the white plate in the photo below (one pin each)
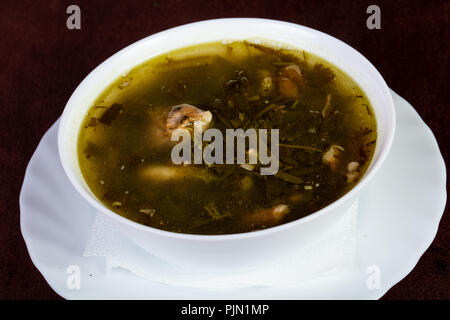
(398, 219)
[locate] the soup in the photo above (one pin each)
(325, 124)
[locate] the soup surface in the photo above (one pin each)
(327, 136)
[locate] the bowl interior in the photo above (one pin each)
(274, 33)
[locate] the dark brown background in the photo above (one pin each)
(42, 62)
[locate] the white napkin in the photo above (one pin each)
(327, 255)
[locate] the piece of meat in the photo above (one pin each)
(164, 173)
(331, 156)
(266, 217)
(293, 73)
(290, 81)
(266, 84)
(180, 116)
(184, 115)
(353, 170)
(287, 87)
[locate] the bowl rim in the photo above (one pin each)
(251, 234)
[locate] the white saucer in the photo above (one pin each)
(398, 219)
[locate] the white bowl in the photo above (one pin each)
(244, 251)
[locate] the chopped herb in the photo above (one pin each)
(288, 177)
(322, 75)
(110, 114)
(266, 109)
(214, 212)
(299, 147)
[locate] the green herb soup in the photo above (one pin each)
(327, 136)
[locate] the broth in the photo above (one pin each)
(327, 136)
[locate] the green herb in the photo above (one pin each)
(282, 63)
(214, 212)
(299, 147)
(110, 114)
(266, 109)
(327, 105)
(288, 177)
(254, 98)
(322, 75)
(224, 121)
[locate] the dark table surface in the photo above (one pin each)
(42, 62)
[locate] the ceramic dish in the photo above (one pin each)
(398, 219)
(244, 251)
